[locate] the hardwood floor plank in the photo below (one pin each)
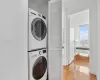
(78, 70)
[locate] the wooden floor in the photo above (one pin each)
(78, 70)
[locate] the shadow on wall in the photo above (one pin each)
(40, 6)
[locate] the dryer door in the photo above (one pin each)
(39, 68)
(38, 29)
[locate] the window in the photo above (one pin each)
(84, 35)
(83, 32)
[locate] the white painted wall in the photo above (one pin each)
(75, 6)
(72, 46)
(98, 21)
(77, 19)
(39, 5)
(13, 40)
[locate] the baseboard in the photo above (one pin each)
(93, 76)
(93, 73)
(67, 66)
(71, 62)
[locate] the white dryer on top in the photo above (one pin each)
(37, 30)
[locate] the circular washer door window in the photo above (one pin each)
(38, 29)
(39, 68)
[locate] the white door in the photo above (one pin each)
(72, 45)
(55, 41)
(65, 25)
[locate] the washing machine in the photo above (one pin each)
(37, 30)
(38, 65)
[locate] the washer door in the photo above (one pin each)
(39, 68)
(38, 29)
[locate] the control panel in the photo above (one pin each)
(42, 52)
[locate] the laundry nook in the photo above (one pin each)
(37, 39)
(49, 39)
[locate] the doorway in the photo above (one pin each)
(79, 47)
(79, 22)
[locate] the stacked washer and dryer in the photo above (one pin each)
(37, 46)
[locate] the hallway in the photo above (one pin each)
(78, 69)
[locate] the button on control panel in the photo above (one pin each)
(40, 52)
(44, 51)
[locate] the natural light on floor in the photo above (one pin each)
(84, 54)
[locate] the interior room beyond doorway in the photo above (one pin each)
(78, 67)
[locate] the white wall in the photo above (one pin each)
(98, 21)
(39, 5)
(80, 5)
(77, 19)
(72, 46)
(13, 39)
